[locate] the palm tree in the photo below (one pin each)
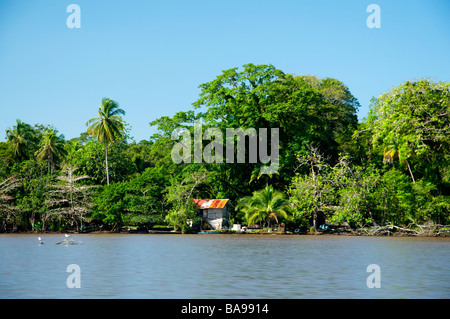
(257, 173)
(51, 148)
(71, 148)
(264, 205)
(392, 151)
(108, 126)
(21, 137)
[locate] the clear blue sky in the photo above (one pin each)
(151, 56)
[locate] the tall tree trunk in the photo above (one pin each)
(107, 170)
(315, 219)
(33, 217)
(371, 217)
(71, 199)
(49, 159)
(409, 168)
(15, 224)
(75, 220)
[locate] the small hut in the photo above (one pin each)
(214, 212)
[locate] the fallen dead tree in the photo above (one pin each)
(392, 230)
(431, 229)
(420, 230)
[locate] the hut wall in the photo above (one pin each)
(215, 216)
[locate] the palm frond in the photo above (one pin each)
(264, 205)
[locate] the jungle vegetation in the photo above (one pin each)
(392, 167)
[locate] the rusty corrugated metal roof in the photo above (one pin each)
(210, 203)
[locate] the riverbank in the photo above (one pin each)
(384, 231)
(381, 232)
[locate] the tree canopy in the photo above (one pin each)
(391, 168)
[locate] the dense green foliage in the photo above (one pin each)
(266, 205)
(392, 167)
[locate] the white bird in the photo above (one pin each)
(40, 241)
(67, 236)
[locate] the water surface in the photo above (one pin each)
(223, 266)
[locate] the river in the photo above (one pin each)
(223, 266)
